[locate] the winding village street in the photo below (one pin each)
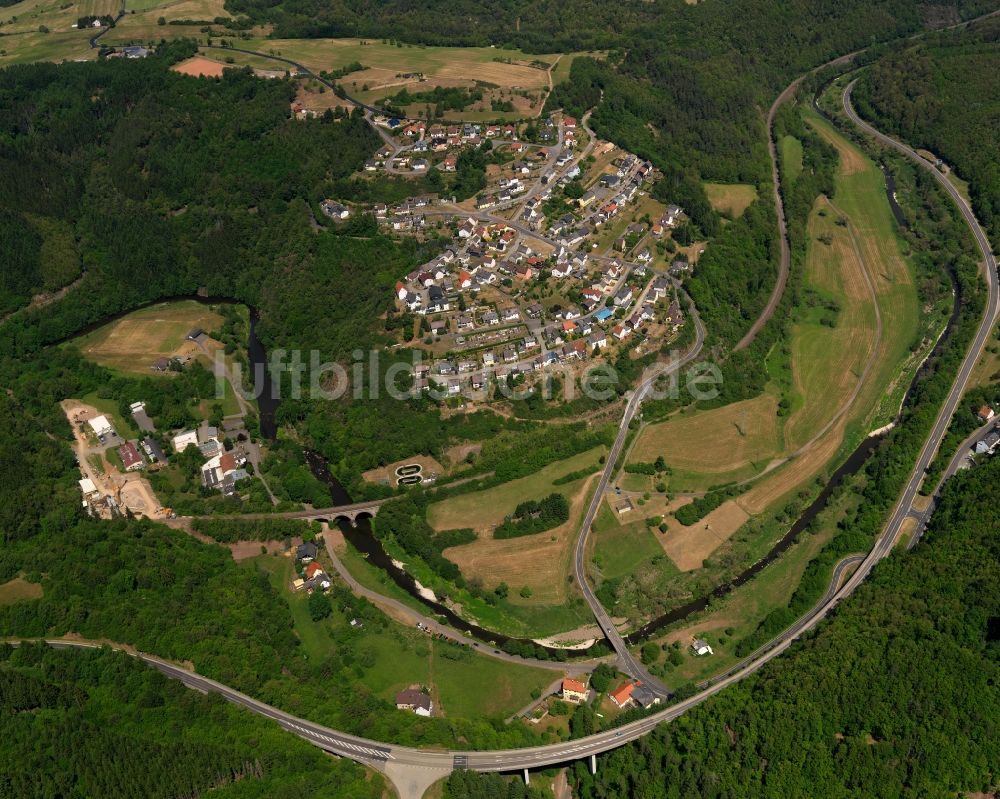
(477, 288)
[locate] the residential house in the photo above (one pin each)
(436, 301)
(335, 210)
(624, 296)
(413, 302)
(414, 700)
(574, 690)
(153, 451)
(306, 552)
(988, 444)
(701, 647)
(644, 697)
(183, 440)
(622, 695)
(141, 418)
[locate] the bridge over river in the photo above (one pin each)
(351, 512)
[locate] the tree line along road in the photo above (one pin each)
(412, 770)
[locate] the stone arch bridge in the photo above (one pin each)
(351, 513)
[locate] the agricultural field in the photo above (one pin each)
(732, 618)
(618, 549)
(199, 67)
(134, 342)
(850, 352)
(717, 446)
(483, 510)
(564, 63)
(538, 562)
(400, 657)
(42, 30)
(503, 75)
(730, 199)
(58, 16)
(141, 20)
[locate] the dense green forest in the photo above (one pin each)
(167, 593)
(99, 723)
(898, 695)
(165, 185)
(944, 94)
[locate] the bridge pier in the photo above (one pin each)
(593, 764)
(527, 777)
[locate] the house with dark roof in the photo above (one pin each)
(306, 552)
(417, 701)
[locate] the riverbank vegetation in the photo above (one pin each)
(764, 460)
(942, 95)
(896, 695)
(943, 251)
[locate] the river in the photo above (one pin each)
(362, 537)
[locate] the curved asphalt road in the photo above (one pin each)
(985, 332)
(387, 756)
(627, 662)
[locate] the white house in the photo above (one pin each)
(183, 440)
(700, 647)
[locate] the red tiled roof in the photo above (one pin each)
(575, 686)
(623, 693)
(312, 570)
